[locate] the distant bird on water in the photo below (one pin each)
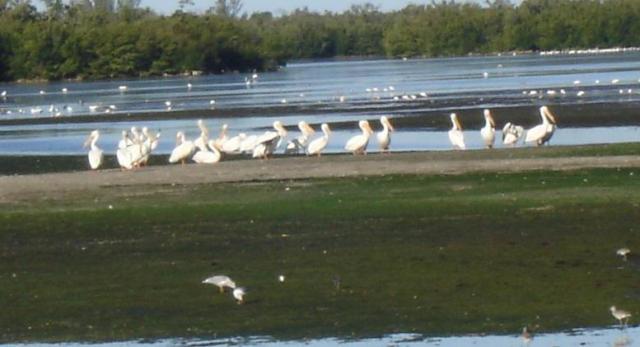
(221, 281)
(620, 315)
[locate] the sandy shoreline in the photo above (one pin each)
(53, 185)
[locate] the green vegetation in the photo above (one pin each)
(105, 39)
(428, 254)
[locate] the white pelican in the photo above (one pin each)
(358, 144)
(183, 149)
(384, 137)
(488, 132)
(455, 134)
(269, 142)
(248, 144)
(318, 145)
(511, 134)
(301, 142)
(542, 133)
(221, 281)
(149, 145)
(201, 142)
(155, 138)
(207, 155)
(234, 144)
(238, 294)
(95, 154)
(125, 141)
(222, 136)
(124, 158)
(620, 315)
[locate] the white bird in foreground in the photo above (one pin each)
(95, 154)
(318, 145)
(384, 137)
(183, 149)
(488, 132)
(239, 294)
(620, 315)
(201, 142)
(358, 144)
(623, 252)
(221, 281)
(455, 134)
(542, 133)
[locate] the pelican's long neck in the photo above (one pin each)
(545, 121)
(365, 132)
(487, 123)
(326, 133)
(94, 141)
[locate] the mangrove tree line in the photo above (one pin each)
(117, 38)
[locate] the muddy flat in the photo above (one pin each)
(295, 168)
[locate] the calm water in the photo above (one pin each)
(601, 337)
(454, 83)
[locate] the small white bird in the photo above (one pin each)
(182, 150)
(65, 90)
(239, 294)
(95, 154)
(3, 94)
(384, 136)
(281, 278)
(620, 315)
(455, 134)
(623, 252)
(123, 88)
(358, 144)
(318, 145)
(220, 281)
(488, 132)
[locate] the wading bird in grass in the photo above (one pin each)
(620, 315)
(455, 134)
(238, 294)
(95, 153)
(488, 132)
(384, 136)
(358, 144)
(623, 252)
(221, 281)
(542, 133)
(318, 145)
(183, 149)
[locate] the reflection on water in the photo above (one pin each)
(581, 337)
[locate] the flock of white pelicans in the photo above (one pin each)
(136, 146)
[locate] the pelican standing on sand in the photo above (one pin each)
(268, 143)
(301, 142)
(95, 153)
(455, 134)
(620, 315)
(358, 144)
(221, 281)
(511, 134)
(488, 132)
(384, 137)
(318, 145)
(542, 133)
(183, 149)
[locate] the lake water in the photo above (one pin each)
(377, 85)
(598, 337)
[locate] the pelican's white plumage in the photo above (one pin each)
(183, 149)
(234, 144)
(210, 155)
(384, 137)
(455, 134)
(358, 144)
(95, 153)
(220, 281)
(318, 145)
(268, 143)
(301, 142)
(488, 132)
(542, 133)
(203, 139)
(511, 134)
(222, 137)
